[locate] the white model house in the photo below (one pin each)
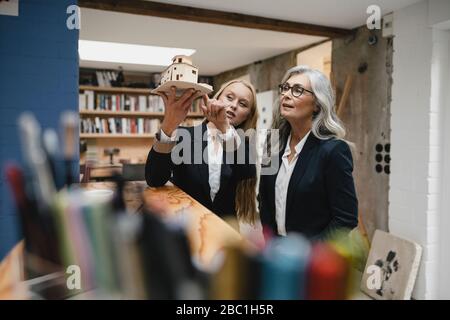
(181, 69)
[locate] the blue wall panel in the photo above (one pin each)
(38, 73)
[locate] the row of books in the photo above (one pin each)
(142, 256)
(119, 125)
(89, 100)
(126, 125)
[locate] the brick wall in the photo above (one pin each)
(440, 137)
(38, 73)
(415, 209)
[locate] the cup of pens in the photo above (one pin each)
(41, 187)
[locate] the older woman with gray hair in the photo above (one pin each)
(312, 191)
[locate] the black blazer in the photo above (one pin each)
(321, 193)
(194, 178)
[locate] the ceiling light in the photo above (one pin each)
(128, 53)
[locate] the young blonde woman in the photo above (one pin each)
(313, 190)
(203, 160)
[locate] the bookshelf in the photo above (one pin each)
(124, 118)
(110, 112)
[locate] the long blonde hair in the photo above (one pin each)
(245, 201)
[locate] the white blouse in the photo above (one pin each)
(282, 183)
(216, 139)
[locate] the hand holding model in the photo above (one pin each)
(176, 110)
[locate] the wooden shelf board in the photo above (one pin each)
(117, 135)
(117, 90)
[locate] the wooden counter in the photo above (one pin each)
(12, 273)
(207, 233)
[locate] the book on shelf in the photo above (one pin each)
(82, 105)
(106, 78)
(119, 125)
(142, 103)
(86, 100)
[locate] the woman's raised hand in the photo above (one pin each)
(176, 110)
(216, 112)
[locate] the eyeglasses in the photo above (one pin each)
(296, 89)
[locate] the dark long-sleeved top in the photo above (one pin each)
(193, 176)
(321, 194)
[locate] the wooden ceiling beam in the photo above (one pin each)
(177, 12)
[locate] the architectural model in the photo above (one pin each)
(183, 75)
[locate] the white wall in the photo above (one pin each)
(441, 69)
(439, 14)
(416, 182)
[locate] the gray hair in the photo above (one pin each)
(325, 124)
